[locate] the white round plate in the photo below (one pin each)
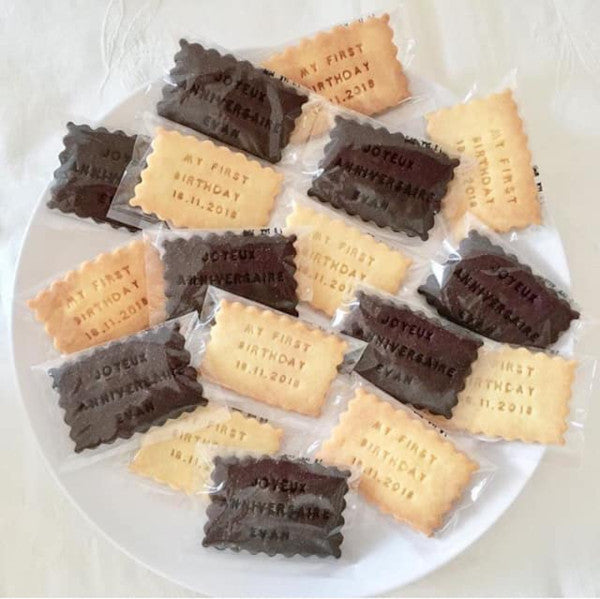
(162, 531)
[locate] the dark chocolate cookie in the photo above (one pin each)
(259, 267)
(276, 505)
(413, 358)
(382, 177)
(127, 386)
(91, 167)
(231, 100)
(484, 289)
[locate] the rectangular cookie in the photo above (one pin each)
(92, 164)
(415, 359)
(127, 386)
(501, 189)
(231, 100)
(276, 505)
(408, 469)
(335, 257)
(272, 357)
(105, 298)
(197, 184)
(353, 65)
(258, 267)
(382, 177)
(490, 292)
(517, 395)
(172, 455)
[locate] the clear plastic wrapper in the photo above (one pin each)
(337, 253)
(278, 505)
(93, 160)
(409, 469)
(100, 399)
(521, 396)
(510, 296)
(378, 174)
(360, 64)
(270, 362)
(187, 180)
(415, 357)
(231, 100)
(98, 300)
(504, 189)
(258, 264)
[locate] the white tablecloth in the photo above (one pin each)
(63, 59)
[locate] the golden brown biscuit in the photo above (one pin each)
(352, 65)
(173, 455)
(104, 299)
(197, 184)
(407, 468)
(272, 357)
(334, 257)
(497, 184)
(516, 394)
